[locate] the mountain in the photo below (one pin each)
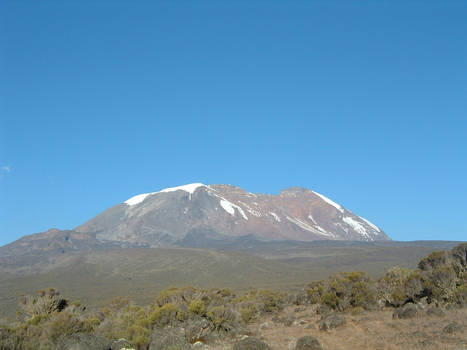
(184, 215)
(199, 216)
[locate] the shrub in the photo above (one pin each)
(362, 295)
(330, 299)
(115, 306)
(344, 291)
(222, 317)
(441, 284)
(271, 301)
(65, 324)
(22, 336)
(175, 295)
(167, 314)
(45, 303)
(392, 286)
(225, 292)
(248, 313)
(122, 319)
(315, 292)
(197, 307)
(459, 255)
(138, 335)
(434, 260)
(460, 295)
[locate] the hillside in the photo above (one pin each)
(96, 276)
(403, 309)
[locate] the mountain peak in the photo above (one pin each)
(168, 216)
(190, 188)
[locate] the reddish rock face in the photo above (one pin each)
(167, 217)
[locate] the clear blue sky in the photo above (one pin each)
(363, 101)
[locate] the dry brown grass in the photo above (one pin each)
(369, 330)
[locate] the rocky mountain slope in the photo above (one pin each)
(196, 211)
(198, 216)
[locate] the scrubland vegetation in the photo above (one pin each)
(344, 305)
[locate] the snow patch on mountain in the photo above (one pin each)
(307, 227)
(229, 207)
(358, 227)
(327, 200)
(319, 228)
(275, 216)
(190, 188)
(138, 198)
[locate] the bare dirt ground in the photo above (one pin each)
(375, 330)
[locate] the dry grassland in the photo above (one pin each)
(375, 330)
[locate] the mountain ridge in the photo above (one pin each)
(167, 216)
(200, 216)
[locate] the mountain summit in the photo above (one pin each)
(184, 214)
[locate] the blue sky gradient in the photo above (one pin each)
(365, 102)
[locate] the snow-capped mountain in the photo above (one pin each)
(174, 215)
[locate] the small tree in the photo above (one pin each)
(45, 303)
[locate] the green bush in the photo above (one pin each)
(46, 302)
(138, 335)
(123, 319)
(225, 292)
(169, 296)
(434, 260)
(460, 295)
(362, 295)
(167, 314)
(271, 301)
(344, 291)
(222, 317)
(330, 299)
(175, 295)
(197, 307)
(248, 313)
(315, 292)
(65, 324)
(393, 286)
(440, 284)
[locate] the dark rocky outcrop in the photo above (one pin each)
(308, 342)
(197, 330)
(406, 311)
(168, 338)
(453, 327)
(251, 343)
